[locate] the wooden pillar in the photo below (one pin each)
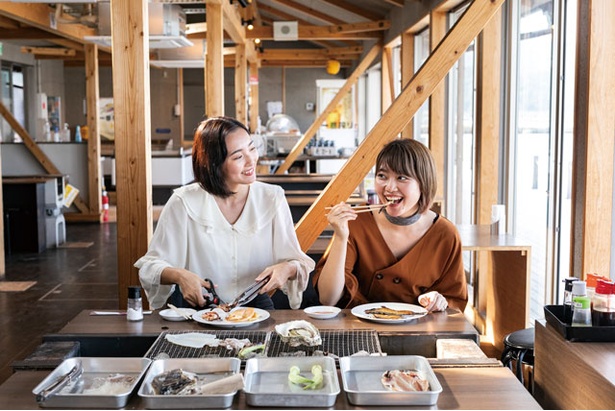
(387, 90)
(407, 71)
(594, 127)
(214, 62)
(488, 98)
(437, 105)
(91, 97)
(253, 96)
(2, 261)
(241, 80)
(131, 98)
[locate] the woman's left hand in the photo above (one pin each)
(278, 275)
(433, 301)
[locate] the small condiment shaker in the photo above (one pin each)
(134, 310)
(568, 298)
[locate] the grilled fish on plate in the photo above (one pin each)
(386, 312)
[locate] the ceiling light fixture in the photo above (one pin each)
(249, 23)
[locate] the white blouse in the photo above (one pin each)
(193, 234)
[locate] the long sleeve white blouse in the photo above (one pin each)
(193, 234)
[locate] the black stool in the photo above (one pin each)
(519, 346)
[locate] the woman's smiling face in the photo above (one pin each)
(400, 191)
(240, 164)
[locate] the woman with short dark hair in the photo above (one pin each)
(226, 226)
(404, 252)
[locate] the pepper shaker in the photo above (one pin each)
(135, 304)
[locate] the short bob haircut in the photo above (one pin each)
(209, 153)
(412, 159)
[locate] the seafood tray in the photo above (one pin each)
(162, 348)
(361, 379)
(101, 383)
(206, 369)
(267, 384)
(337, 343)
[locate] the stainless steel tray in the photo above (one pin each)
(95, 371)
(361, 380)
(210, 369)
(267, 385)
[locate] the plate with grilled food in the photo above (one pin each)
(389, 313)
(236, 318)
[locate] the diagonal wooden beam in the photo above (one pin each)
(350, 82)
(424, 82)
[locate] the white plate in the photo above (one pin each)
(171, 315)
(262, 316)
(322, 312)
(359, 311)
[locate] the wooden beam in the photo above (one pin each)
(2, 261)
(241, 81)
(339, 32)
(214, 62)
(38, 15)
(324, 17)
(49, 51)
(232, 23)
(437, 104)
(253, 81)
(310, 54)
(386, 77)
(407, 71)
(311, 131)
(131, 100)
(352, 8)
(594, 105)
(422, 85)
(92, 96)
(489, 96)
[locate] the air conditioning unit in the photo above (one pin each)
(285, 31)
(167, 26)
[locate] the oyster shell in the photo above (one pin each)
(299, 332)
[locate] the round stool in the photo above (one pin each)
(519, 346)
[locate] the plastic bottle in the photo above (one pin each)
(78, 134)
(579, 289)
(66, 133)
(46, 131)
(56, 134)
(581, 316)
(603, 307)
(568, 298)
(134, 311)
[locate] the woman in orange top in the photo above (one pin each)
(403, 253)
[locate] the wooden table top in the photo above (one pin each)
(449, 322)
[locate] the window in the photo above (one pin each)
(13, 98)
(421, 118)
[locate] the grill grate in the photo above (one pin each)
(334, 342)
(161, 346)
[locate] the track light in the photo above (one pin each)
(249, 23)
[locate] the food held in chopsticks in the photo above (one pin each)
(404, 380)
(388, 313)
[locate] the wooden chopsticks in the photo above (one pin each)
(366, 208)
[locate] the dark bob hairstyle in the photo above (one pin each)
(209, 153)
(412, 159)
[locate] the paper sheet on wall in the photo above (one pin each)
(273, 108)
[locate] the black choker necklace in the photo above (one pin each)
(402, 220)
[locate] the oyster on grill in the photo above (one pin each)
(300, 332)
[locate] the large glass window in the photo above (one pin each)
(532, 138)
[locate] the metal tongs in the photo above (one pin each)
(248, 294)
(59, 383)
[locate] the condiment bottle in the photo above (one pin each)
(135, 304)
(78, 134)
(568, 298)
(581, 316)
(579, 289)
(603, 307)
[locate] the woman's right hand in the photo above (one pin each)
(339, 216)
(189, 283)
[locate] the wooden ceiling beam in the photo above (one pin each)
(338, 32)
(326, 18)
(49, 51)
(38, 16)
(351, 8)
